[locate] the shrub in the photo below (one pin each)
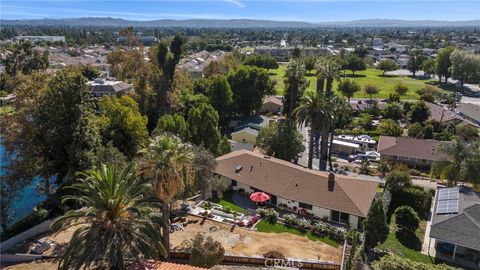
(397, 179)
(291, 220)
(321, 228)
(26, 223)
(227, 209)
(407, 219)
(206, 252)
(391, 262)
(416, 197)
(268, 214)
(304, 224)
(414, 172)
(273, 254)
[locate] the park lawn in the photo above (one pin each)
(408, 247)
(227, 201)
(373, 76)
(264, 226)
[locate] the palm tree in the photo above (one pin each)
(314, 110)
(328, 69)
(340, 119)
(117, 220)
(295, 84)
(167, 163)
(462, 162)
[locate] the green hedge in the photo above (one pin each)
(25, 223)
(416, 197)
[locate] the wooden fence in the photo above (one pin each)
(259, 261)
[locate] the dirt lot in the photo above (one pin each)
(242, 242)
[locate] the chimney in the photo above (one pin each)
(331, 181)
(251, 168)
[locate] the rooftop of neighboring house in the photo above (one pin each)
(110, 86)
(410, 147)
(443, 115)
(278, 100)
(456, 217)
(255, 122)
(469, 110)
(290, 181)
(198, 61)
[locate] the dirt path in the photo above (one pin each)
(242, 242)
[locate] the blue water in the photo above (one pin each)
(27, 199)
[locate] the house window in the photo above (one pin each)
(339, 217)
(234, 183)
(305, 206)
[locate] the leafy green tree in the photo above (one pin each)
(295, 85)
(401, 89)
(355, 63)
(167, 164)
(249, 86)
(315, 111)
(387, 65)
(203, 127)
(371, 90)
(262, 61)
(348, 88)
(393, 262)
(206, 252)
(462, 164)
(172, 123)
(281, 140)
(397, 179)
(341, 118)
(375, 225)
(90, 72)
(429, 67)
(415, 62)
(309, 62)
(419, 112)
(66, 136)
(23, 58)
(407, 219)
(205, 180)
(465, 66)
(415, 130)
(443, 63)
(116, 222)
(296, 53)
(393, 111)
(123, 124)
(221, 97)
(388, 127)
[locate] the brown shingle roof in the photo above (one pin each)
(410, 147)
(444, 115)
(284, 179)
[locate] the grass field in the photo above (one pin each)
(407, 246)
(373, 76)
(264, 226)
(227, 202)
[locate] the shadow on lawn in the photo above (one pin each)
(355, 76)
(444, 86)
(409, 240)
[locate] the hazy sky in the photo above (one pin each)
(284, 10)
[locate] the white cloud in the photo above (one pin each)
(235, 2)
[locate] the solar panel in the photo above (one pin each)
(448, 200)
(447, 207)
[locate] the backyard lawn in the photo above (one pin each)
(373, 76)
(264, 226)
(407, 246)
(227, 202)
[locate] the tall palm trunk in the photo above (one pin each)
(310, 146)
(166, 226)
(323, 148)
(320, 84)
(291, 105)
(332, 132)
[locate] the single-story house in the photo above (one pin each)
(245, 135)
(456, 226)
(102, 87)
(446, 116)
(469, 111)
(272, 104)
(246, 130)
(338, 198)
(412, 152)
(345, 148)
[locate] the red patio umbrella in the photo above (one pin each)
(259, 197)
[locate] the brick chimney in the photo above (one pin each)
(331, 181)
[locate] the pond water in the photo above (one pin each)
(27, 199)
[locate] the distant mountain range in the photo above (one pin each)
(236, 23)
